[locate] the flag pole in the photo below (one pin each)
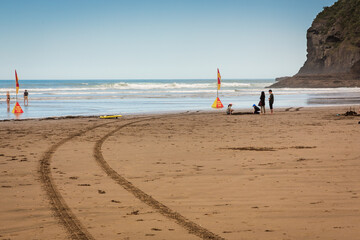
(16, 85)
(217, 91)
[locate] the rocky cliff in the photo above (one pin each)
(333, 46)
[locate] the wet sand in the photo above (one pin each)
(291, 175)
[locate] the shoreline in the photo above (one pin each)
(237, 112)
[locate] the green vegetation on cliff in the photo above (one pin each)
(333, 41)
(346, 14)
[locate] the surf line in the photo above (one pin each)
(192, 227)
(62, 211)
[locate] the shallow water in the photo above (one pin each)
(49, 98)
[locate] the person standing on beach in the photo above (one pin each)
(26, 97)
(262, 102)
(271, 101)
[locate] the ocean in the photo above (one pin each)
(54, 98)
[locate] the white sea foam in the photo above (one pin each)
(142, 86)
(146, 86)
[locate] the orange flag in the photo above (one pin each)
(219, 79)
(17, 82)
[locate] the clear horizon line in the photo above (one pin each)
(116, 79)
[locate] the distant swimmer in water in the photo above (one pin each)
(8, 100)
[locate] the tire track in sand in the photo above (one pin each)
(192, 227)
(62, 211)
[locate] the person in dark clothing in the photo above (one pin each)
(262, 102)
(26, 97)
(256, 109)
(271, 101)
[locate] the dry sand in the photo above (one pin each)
(291, 175)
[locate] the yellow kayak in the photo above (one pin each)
(111, 116)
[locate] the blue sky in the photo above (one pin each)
(88, 39)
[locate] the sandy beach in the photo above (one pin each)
(193, 175)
